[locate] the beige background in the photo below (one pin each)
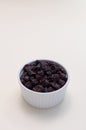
(33, 29)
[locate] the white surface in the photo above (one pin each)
(54, 29)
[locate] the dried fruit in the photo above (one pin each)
(43, 76)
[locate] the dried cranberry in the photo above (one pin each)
(46, 83)
(34, 81)
(55, 85)
(48, 72)
(26, 78)
(38, 88)
(55, 77)
(28, 85)
(30, 72)
(38, 77)
(41, 72)
(50, 89)
(61, 82)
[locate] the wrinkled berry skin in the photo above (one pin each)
(43, 76)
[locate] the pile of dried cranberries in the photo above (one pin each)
(43, 76)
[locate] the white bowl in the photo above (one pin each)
(43, 100)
